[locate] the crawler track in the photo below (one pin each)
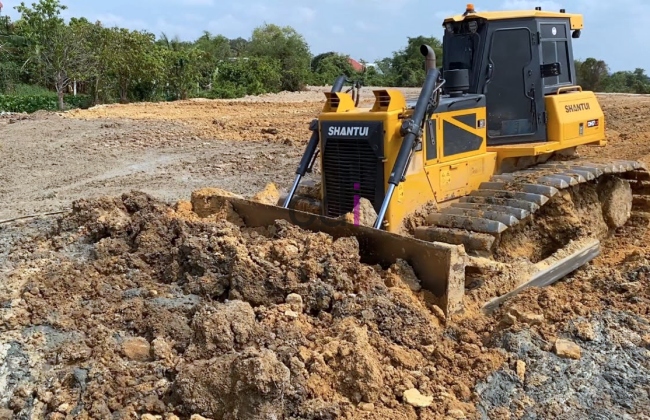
(509, 204)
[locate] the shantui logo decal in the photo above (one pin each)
(348, 131)
(577, 107)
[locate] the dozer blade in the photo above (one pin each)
(551, 269)
(440, 267)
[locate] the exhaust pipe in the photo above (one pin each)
(430, 55)
(339, 83)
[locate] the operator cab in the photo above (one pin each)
(514, 59)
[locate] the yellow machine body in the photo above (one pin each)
(574, 118)
(504, 101)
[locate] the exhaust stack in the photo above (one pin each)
(430, 55)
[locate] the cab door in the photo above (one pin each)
(514, 90)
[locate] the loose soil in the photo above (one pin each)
(138, 305)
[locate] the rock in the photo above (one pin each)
(585, 331)
(567, 349)
(136, 348)
(367, 407)
(171, 417)
(364, 214)
(521, 370)
(456, 414)
(295, 301)
(526, 317)
(413, 397)
(291, 314)
(64, 408)
(198, 417)
(6, 414)
(224, 327)
(162, 350)
(150, 417)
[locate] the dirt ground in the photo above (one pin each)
(135, 305)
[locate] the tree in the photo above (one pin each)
(54, 48)
(215, 48)
(329, 66)
(592, 74)
(247, 76)
(407, 67)
(288, 47)
(181, 66)
(238, 46)
(133, 58)
(93, 39)
(628, 82)
(10, 54)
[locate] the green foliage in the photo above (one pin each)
(214, 49)
(371, 77)
(406, 68)
(47, 102)
(133, 56)
(288, 47)
(182, 69)
(110, 64)
(54, 50)
(247, 76)
(327, 67)
(594, 75)
(28, 90)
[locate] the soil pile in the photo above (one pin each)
(131, 307)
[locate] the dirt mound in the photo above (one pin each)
(129, 307)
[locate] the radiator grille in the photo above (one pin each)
(346, 163)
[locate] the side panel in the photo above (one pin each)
(462, 133)
(463, 161)
(575, 118)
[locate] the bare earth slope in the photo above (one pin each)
(132, 306)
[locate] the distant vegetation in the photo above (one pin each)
(47, 63)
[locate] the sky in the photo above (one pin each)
(366, 29)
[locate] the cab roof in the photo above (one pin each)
(575, 19)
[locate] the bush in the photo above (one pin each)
(249, 76)
(45, 102)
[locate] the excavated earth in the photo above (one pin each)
(141, 305)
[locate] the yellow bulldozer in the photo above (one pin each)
(477, 173)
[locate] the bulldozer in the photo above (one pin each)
(485, 157)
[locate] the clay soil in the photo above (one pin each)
(141, 302)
